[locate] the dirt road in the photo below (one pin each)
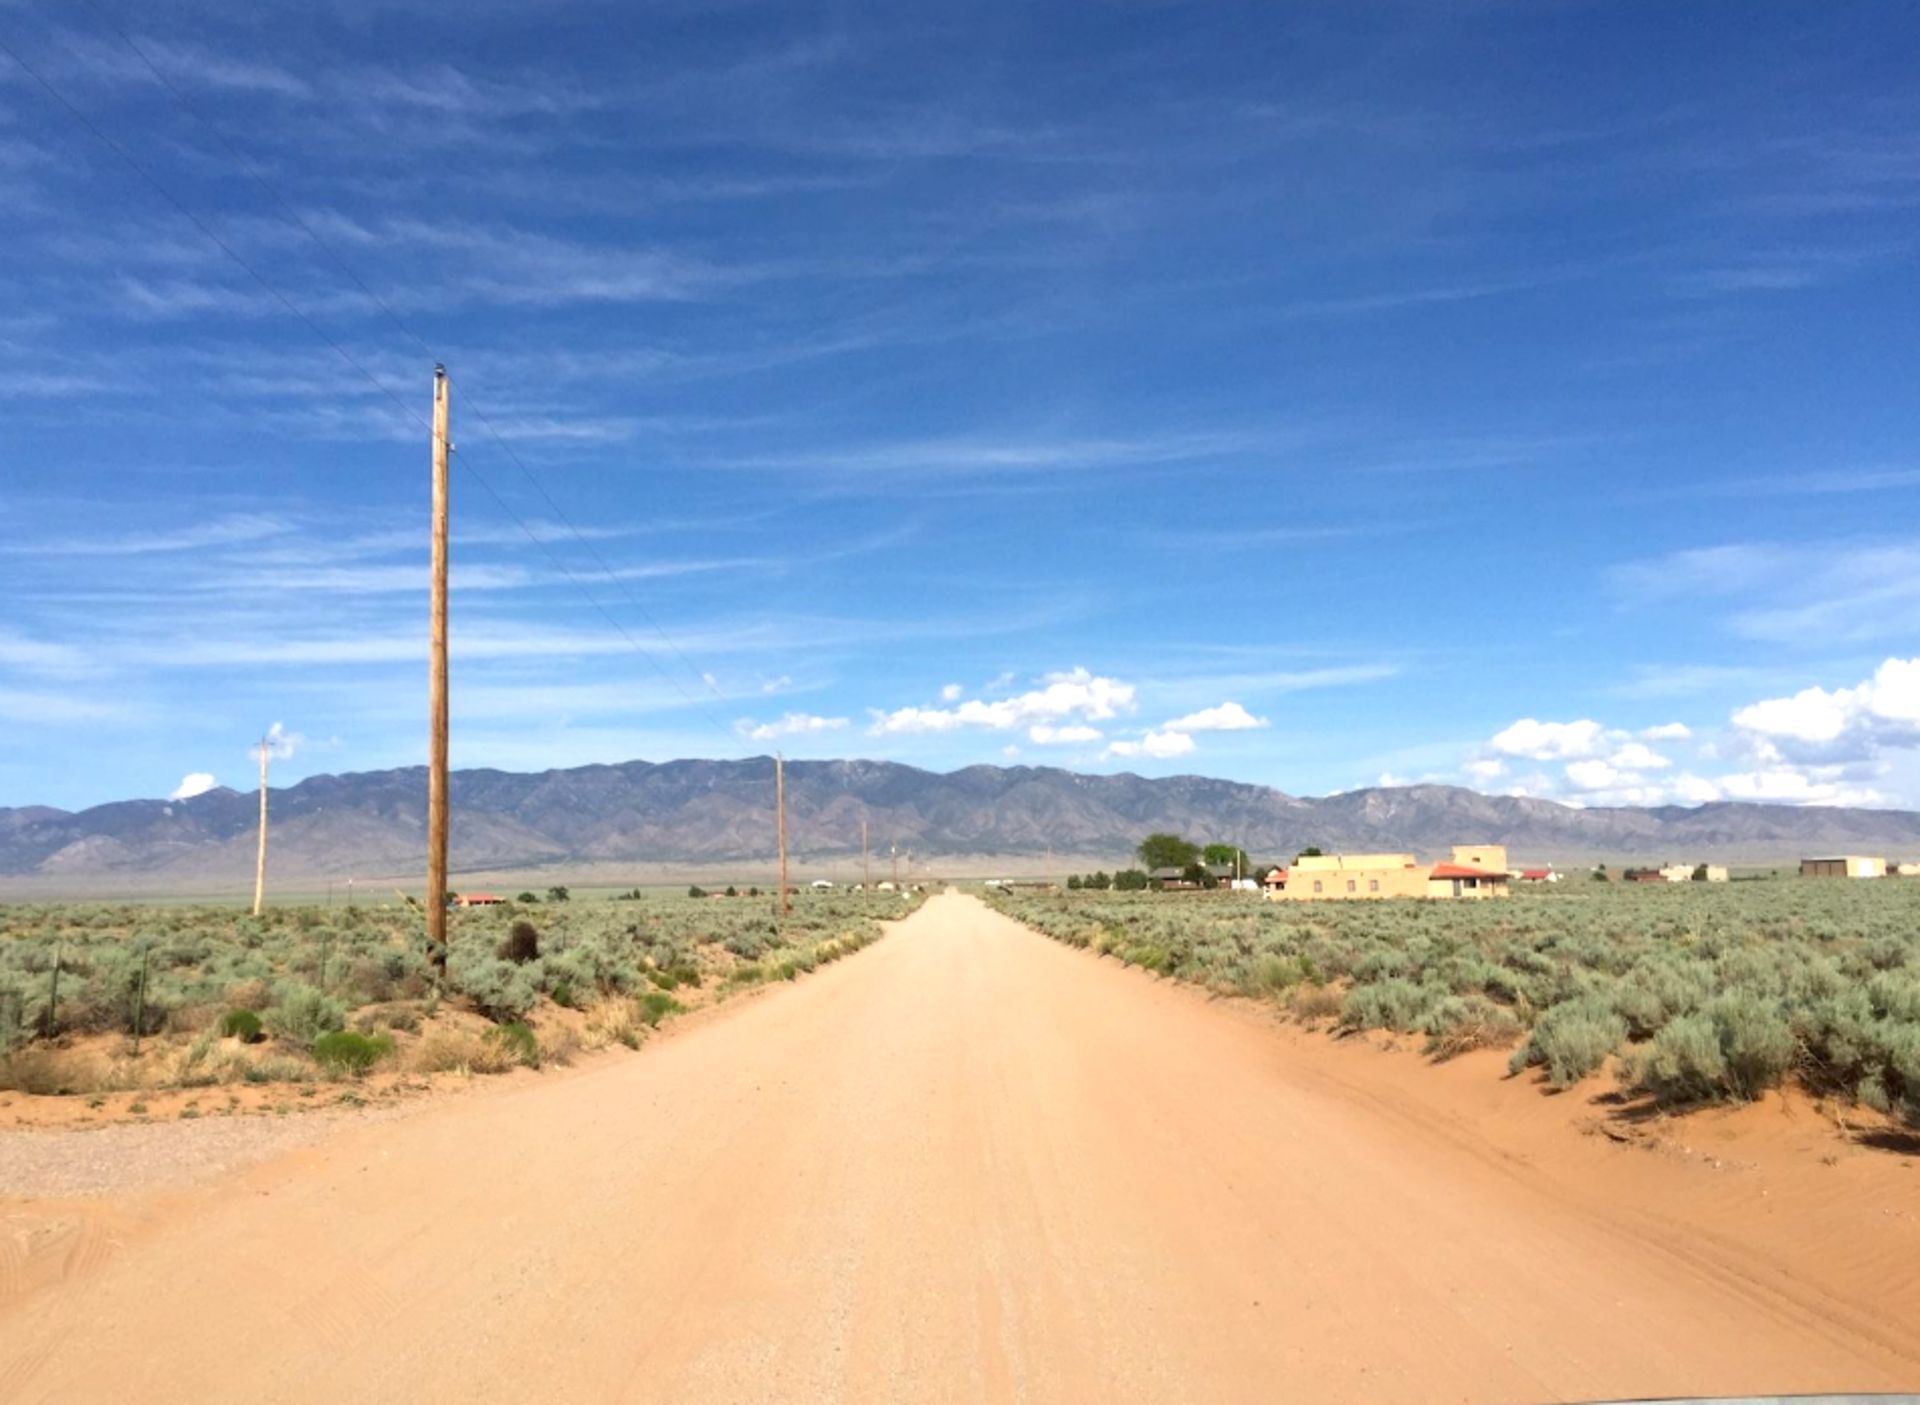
(968, 1164)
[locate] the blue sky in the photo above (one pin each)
(1517, 395)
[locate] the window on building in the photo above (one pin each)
(1373, 885)
(1352, 886)
(1316, 885)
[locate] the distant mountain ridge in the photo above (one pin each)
(701, 812)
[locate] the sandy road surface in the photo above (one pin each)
(968, 1164)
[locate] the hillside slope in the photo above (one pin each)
(722, 811)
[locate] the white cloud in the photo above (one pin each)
(952, 693)
(1635, 756)
(1597, 775)
(279, 742)
(794, 724)
(1075, 695)
(1830, 590)
(1550, 741)
(1227, 717)
(1857, 722)
(1046, 734)
(192, 784)
(1819, 746)
(1159, 745)
(1798, 786)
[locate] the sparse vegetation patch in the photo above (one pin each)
(1692, 992)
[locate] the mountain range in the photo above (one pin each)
(703, 813)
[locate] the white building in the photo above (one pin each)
(1844, 866)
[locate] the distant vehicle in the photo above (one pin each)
(821, 885)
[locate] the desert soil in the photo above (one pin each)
(971, 1164)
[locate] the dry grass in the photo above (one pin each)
(460, 1051)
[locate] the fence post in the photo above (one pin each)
(140, 1000)
(52, 1021)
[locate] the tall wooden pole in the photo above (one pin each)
(780, 808)
(437, 692)
(260, 863)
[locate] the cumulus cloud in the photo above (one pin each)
(1046, 734)
(279, 743)
(1844, 723)
(1788, 785)
(1550, 741)
(794, 724)
(1636, 756)
(192, 784)
(1076, 695)
(1228, 717)
(953, 692)
(1158, 745)
(1819, 746)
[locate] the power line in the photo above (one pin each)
(320, 334)
(267, 188)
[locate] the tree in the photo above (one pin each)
(1099, 879)
(557, 895)
(1197, 875)
(1700, 873)
(1131, 880)
(696, 891)
(1227, 856)
(527, 898)
(1073, 883)
(1312, 851)
(1167, 851)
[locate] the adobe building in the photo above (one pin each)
(1473, 871)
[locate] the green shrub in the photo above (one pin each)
(1738, 1047)
(345, 1053)
(1572, 1040)
(243, 1025)
(656, 1005)
(1396, 1004)
(304, 1014)
(519, 1042)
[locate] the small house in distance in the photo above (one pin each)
(1473, 871)
(1688, 873)
(1844, 866)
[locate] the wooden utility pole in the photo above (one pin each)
(785, 904)
(437, 692)
(866, 863)
(260, 864)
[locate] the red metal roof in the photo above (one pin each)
(1460, 870)
(1535, 873)
(1278, 875)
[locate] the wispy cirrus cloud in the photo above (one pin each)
(1800, 593)
(225, 530)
